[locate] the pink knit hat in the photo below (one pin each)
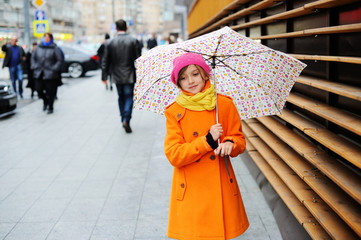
(185, 60)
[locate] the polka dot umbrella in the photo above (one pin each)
(256, 77)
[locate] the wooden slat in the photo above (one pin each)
(337, 172)
(315, 31)
(244, 12)
(247, 131)
(250, 120)
(292, 158)
(312, 230)
(337, 88)
(328, 3)
(249, 145)
(339, 145)
(342, 118)
(223, 12)
(301, 11)
(354, 60)
(342, 204)
(330, 221)
(303, 216)
(351, 213)
(285, 15)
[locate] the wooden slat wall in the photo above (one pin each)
(311, 153)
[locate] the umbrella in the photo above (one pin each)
(256, 77)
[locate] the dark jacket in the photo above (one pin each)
(7, 49)
(151, 43)
(47, 60)
(118, 60)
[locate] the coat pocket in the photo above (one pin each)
(232, 181)
(181, 184)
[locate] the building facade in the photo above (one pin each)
(62, 16)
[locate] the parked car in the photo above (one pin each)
(8, 99)
(78, 60)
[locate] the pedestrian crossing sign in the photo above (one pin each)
(40, 27)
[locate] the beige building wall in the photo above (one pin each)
(151, 14)
(97, 16)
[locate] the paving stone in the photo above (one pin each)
(83, 210)
(5, 228)
(114, 230)
(71, 230)
(46, 210)
(29, 231)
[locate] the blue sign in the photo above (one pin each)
(40, 15)
(40, 27)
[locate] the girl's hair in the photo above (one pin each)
(204, 74)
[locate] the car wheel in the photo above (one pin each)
(75, 70)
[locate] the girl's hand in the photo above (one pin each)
(216, 131)
(224, 149)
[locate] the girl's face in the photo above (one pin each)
(191, 80)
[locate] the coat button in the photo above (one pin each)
(179, 115)
(182, 185)
(212, 157)
(195, 134)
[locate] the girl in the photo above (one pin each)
(205, 200)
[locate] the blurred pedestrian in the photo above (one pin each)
(152, 42)
(118, 61)
(14, 58)
(171, 39)
(46, 62)
(100, 53)
(60, 82)
(205, 200)
(31, 80)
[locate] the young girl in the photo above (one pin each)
(205, 200)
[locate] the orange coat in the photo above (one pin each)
(205, 203)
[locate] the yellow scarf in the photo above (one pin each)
(205, 100)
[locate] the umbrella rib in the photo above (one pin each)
(140, 97)
(219, 42)
(250, 80)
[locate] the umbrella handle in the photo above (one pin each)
(215, 83)
(226, 160)
(215, 87)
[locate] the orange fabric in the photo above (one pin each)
(204, 204)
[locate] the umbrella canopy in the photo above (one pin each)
(257, 78)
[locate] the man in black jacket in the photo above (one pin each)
(118, 61)
(15, 55)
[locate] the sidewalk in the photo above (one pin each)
(77, 175)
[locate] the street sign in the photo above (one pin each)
(38, 3)
(40, 27)
(39, 15)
